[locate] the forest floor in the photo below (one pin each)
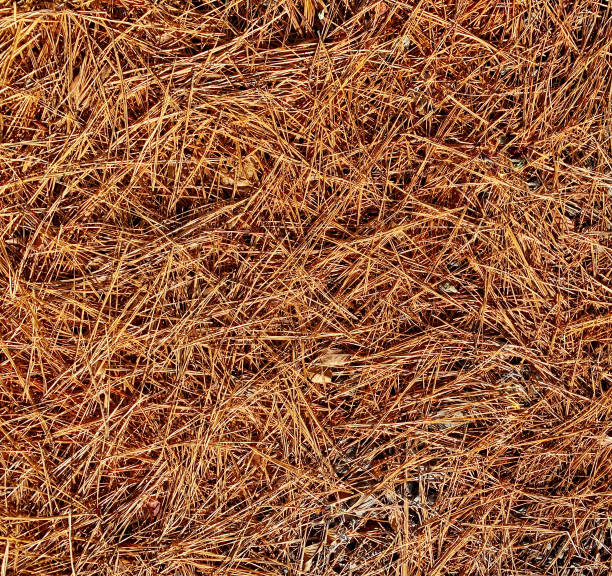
(303, 288)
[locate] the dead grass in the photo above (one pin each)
(294, 287)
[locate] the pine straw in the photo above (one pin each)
(291, 288)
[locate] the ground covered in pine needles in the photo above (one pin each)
(295, 288)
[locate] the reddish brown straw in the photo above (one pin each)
(301, 288)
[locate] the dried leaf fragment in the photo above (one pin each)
(309, 554)
(334, 359)
(319, 376)
(448, 288)
(606, 441)
(153, 507)
(241, 173)
(450, 420)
